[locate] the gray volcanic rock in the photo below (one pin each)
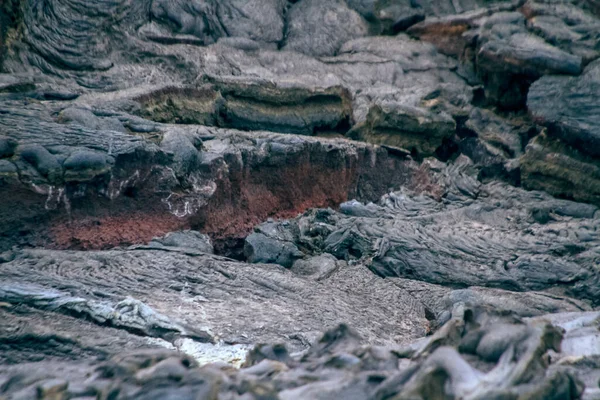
(509, 58)
(260, 20)
(7, 147)
(579, 348)
(252, 104)
(551, 165)
(569, 108)
(543, 244)
(416, 130)
(320, 28)
(481, 356)
(439, 300)
(187, 240)
(415, 108)
(272, 243)
(564, 161)
(128, 314)
(241, 303)
(509, 47)
(503, 35)
(366, 73)
(388, 16)
(495, 143)
(455, 34)
(317, 267)
(259, 248)
(184, 176)
(42, 160)
(566, 26)
(505, 137)
(185, 189)
(309, 95)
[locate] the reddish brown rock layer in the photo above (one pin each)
(110, 231)
(247, 193)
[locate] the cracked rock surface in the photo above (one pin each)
(273, 199)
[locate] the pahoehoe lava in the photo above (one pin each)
(276, 199)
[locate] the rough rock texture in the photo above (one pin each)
(467, 358)
(320, 28)
(543, 244)
(557, 168)
(208, 21)
(508, 57)
(230, 179)
(237, 303)
(194, 178)
(577, 123)
(494, 143)
(507, 49)
(564, 161)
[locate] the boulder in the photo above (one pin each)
(192, 240)
(269, 246)
(567, 106)
(509, 59)
(260, 20)
(42, 160)
(418, 131)
(555, 167)
(388, 17)
(85, 165)
(566, 26)
(317, 267)
(7, 147)
(320, 28)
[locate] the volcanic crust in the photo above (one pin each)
(272, 199)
